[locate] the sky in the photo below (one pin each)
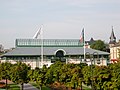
(61, 19)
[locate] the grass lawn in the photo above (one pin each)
(13, 87)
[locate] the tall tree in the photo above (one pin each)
(5, 71)
(115, 76)
(101, 77)
(98, 45)
(19, 73)
(40, 76)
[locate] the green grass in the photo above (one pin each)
(13, 87)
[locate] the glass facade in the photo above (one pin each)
(48, 43)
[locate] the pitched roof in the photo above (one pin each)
(112, 38)
(90, 41)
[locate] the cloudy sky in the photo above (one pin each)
(61, 19)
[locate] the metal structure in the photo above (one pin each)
(92, 59)
(48, 43)
(31, 52)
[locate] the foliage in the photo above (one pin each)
(14, 87)
(115, 76)
(38, 75)
(67, 75)
(98, 45)
(101, 76)
(86, 71)
(5, 70)
(19, 73)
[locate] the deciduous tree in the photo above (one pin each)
(98, 45)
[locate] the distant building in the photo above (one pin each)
(88, 43)
(65, 50)
(112, 41)
(114, 48)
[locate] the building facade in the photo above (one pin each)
(114, 48)
(115, 52)
(64, 50)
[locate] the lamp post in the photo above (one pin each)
(88, 54)
(95, 53)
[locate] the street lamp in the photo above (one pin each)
(90, 55)
(96, 54)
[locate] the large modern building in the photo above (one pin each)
(65, 50)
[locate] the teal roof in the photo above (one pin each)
(48, 43)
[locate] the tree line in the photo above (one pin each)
(70, 75)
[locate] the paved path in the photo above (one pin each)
(29, 87)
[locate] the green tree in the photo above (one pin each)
(87, 74)
(71, 76)
(49, 76)
(98, 45)
(19, 73)
(5, 71)
(77, 77)
(41, 76)
(115, 76)
(31, 75)
(55, 71)
(101, 77)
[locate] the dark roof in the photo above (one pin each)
(35, 51)
(112, 38)
(116, 45)
(90, 41)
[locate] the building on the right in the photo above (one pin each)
(114, 48)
